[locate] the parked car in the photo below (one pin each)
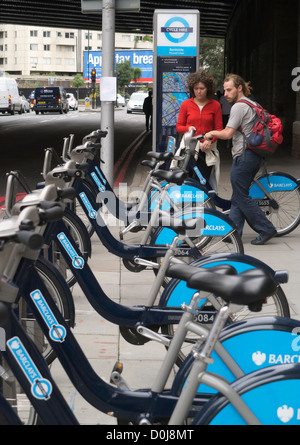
(10, 100)
(120, 102)
(25, 104)
(73, 102)
(50, 99)
(136, 102)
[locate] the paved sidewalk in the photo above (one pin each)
(100, 339)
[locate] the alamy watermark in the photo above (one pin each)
(296, 81)
(2, 339)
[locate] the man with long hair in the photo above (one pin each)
(245, 163)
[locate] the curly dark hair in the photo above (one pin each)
(203, 77)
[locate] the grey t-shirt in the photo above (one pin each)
(241, 116)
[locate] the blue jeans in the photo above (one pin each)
(243, 207)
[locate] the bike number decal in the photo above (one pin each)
(41, 388)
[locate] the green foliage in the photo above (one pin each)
(78, 81)
(212, 58)
(124, 72)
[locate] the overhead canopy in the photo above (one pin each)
(214, 15)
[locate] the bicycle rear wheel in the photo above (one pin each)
(283, 209)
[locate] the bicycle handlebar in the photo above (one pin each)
(32, 240)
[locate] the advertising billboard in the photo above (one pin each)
(142, 59)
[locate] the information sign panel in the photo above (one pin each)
(176, 50)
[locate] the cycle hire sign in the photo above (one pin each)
(177, 33)
(176, 50)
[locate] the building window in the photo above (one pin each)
(88, 48)
(126, 38)
(33, 46)
(58, 61)
(58, 34)
(46, 47)
(99, 36)
(33, 33)
(69, 61)
(69, 35)
(88, 35)
(33, 60)
(46, 33)
(47, 60)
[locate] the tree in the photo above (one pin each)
(124, 72)
(78, 82)
(212, 58)
(137, 72)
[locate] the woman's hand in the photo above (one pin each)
(206, 145)
(192, 128)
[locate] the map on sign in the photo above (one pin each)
(174, 89)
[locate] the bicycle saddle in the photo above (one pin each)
(249, 288)
(148, 163)
(175, 176)
(165, 156)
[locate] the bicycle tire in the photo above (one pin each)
(286, 217)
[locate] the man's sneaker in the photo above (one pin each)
(262, 239)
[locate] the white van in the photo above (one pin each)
(10, 99)
(136, 102)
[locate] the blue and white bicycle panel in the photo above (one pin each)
(179, 194)
(256, 350)
(210, 223)
(275, 403)
(274, 182)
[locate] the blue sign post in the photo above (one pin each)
(176, 55)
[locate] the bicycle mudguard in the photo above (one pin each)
(176, 293)
(67, 291)
(211, 222)
(273, 182)
(255, 343)
(190, 192)
(272, 395)
(83, 230)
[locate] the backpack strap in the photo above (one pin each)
(255, 120)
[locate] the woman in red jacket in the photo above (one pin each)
(201, 113)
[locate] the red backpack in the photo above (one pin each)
(266, 133)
